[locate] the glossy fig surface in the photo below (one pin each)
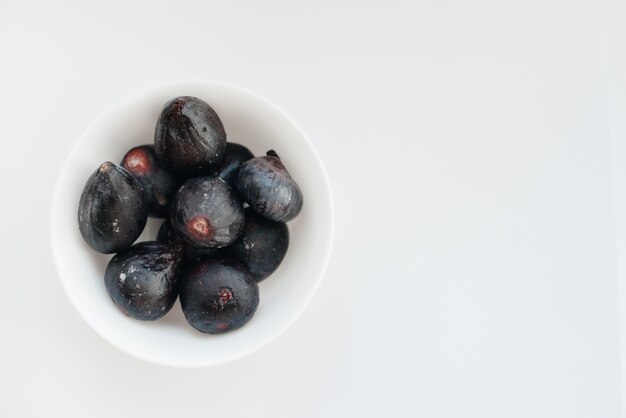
(236, 154)
(267, 186)
(167, 235)
(111, 212)
(218, 296)
(143, 280)
(261, 246)
(189, 139)
(206, 213)
(158, 185)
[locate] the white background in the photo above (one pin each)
(616, 54)
(476, 260)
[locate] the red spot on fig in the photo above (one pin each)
(200, 228)
(137, 161)
(226, 295)
(222, 326)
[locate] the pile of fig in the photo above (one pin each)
(225, 221)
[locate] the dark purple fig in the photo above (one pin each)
(218, 296)
(143, 280)
(167, 235)
(206, 213)
(158, 185)
(268, 188)
(111, 212)
(261, 246)
(235, 155)
(189, 139)
(193, 253)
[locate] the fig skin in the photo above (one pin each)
(266, 185)
(159, 186)
(236, 154)
(189, 138)
(167, 235)
(261, 246)
(218, 296)
(112, 212)
(206, 213)
(143, 280)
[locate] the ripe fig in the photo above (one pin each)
(268, 188)
(111, 212)
(167, 235)
(143, 279)
(218, 296)
(261, 246)
(189, 139)
(206, 213)
(236, 154)
(158, 185)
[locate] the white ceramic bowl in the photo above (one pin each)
(249, 120)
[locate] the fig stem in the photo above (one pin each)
(272, 153)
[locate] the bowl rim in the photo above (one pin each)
(53, 231)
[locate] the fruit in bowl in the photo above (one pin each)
(210, 252)
(111, 212)
(249, 120)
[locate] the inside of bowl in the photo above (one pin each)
(249, 120)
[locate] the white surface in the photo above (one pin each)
(249, 120)
(616, 60)
(474, 272)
